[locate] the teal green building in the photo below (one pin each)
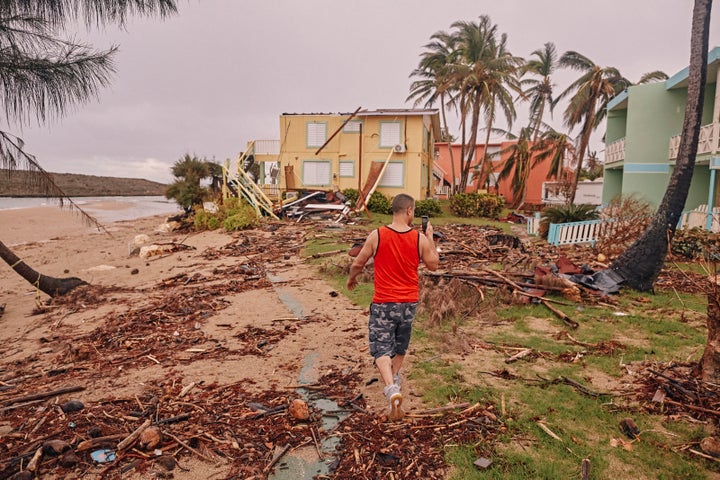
(643, 134)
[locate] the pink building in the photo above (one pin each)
(498, 155)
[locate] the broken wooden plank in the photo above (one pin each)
(521, 354)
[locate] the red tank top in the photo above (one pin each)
(396, 263)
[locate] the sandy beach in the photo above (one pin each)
(234, 318)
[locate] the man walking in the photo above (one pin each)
(397, 250)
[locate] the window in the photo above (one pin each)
(316, 172)
(347, 168)
(394, 175)
(316, 134)
(389, 134)
(493, 153)
(353, 126)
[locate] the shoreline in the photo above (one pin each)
(26, 225)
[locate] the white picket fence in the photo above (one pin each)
(588, 231)
(574, 232)
(699, 218)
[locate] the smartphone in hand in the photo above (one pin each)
(424, 223)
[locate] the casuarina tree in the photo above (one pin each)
(43, 73)
(640, 264)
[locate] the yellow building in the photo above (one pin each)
(335, 151)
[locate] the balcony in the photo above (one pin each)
(615, 152)
(708, 142)
(266, 147)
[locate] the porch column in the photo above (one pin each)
(711, 198)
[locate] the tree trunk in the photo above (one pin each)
(584, 142)
(640, 264)
(472, 144)
(710, 362)
(485, 157)
(51, 286)
(450, 150)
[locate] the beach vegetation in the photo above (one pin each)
(232, 215)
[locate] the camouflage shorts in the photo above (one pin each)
(389, 328)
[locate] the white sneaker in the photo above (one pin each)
(394, 398)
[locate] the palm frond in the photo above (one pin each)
(13, 157)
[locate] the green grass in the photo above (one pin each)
(662, 327)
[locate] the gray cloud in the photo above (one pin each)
(221, 72)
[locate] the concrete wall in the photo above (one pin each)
(651, 117)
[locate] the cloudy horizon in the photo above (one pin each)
(221, 72)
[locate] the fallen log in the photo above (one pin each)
(38, 396)
(570, 322)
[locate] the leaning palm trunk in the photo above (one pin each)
(48, 285)
(584, 142)
(450, 150)
(465, 173)
(481, 167)
(640, 264)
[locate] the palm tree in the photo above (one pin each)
(589, 96)
(436, 83)
(43, 75)
(540, 90)
(517, 164)
(557, 147)
(485, 72)
(640, 264)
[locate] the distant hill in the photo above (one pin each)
(16, 184)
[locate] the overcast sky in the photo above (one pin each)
(220, 73)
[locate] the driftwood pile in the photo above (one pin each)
(155, 433)
(54, 432)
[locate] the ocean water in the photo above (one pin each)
(123, 208)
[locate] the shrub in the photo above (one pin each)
(476, 205)
(201, 219)
(566, 214)
(695, 243)
(463, 205)
(234, 214)
(429, 207)
(242, 220)
(379, 203)
(238, 215)
(629, 217)
(489, 205)
(352, 195)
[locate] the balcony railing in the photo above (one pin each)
(708, 142)
(267, 147)
(615, 152)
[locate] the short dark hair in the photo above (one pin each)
(401, 202)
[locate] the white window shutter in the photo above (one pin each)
(393, 176)
(389, 134)
(316, 134)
